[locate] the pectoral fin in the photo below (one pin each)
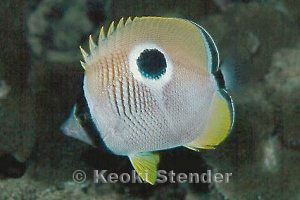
(219, 123)
(146, 165)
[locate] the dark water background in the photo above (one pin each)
(40, 78)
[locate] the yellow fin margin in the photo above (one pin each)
(218, 126)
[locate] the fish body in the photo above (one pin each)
(152, 84)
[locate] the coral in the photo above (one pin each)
(26, 188)
(283, 88)
(17, 128)
(56, 28)
(14, 54)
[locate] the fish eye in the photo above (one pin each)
(151, 63)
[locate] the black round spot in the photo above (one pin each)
(152, 63)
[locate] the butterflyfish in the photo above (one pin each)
(151, 84)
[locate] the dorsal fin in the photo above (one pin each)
(92, 45)
(120, 24)
(128, 21)
(111, 29)
(84, 54)
(102, 37)
(83, 65)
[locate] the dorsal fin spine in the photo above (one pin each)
(92, 45)
(111, 29)
(101, 35)
(84, 54)
(120, 24)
